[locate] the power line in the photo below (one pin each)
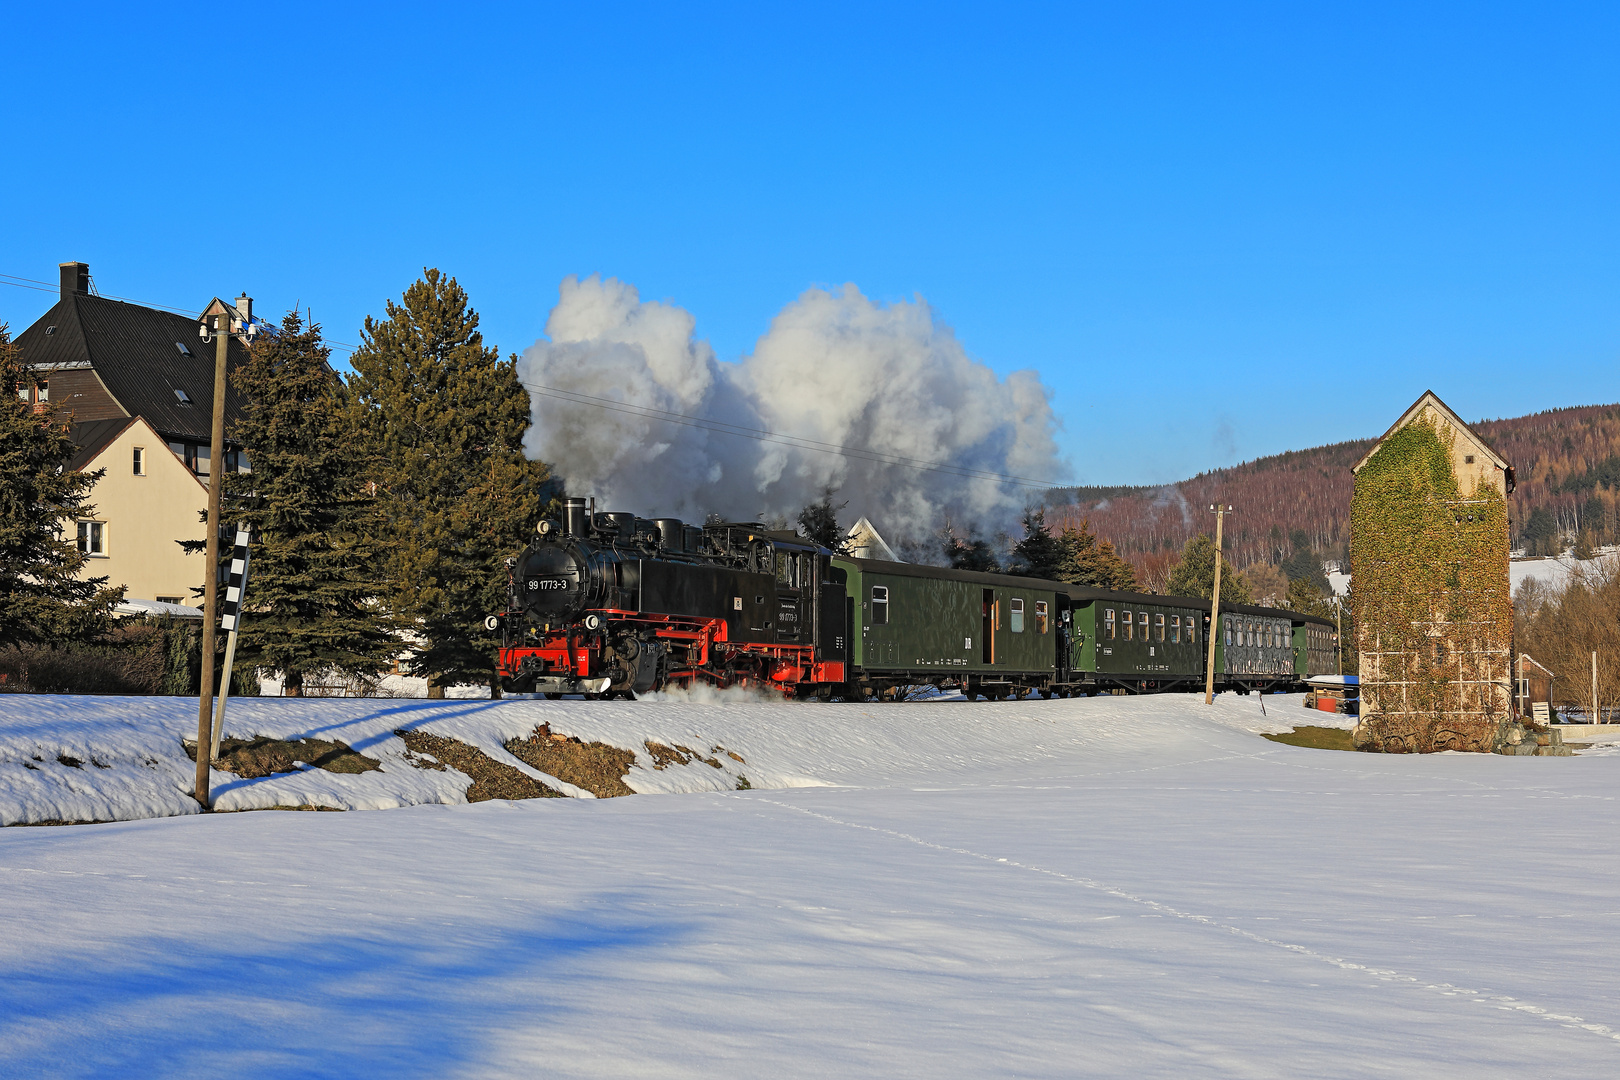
(760, 435)
(46, 286)
(719, 427)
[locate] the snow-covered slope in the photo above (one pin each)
(1104, 887)
(132, 763)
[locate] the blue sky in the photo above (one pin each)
(1217, 231)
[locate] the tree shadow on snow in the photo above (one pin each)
(426, 1000)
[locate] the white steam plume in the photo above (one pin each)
(834, 368)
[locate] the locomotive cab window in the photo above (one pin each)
(1018, 615)
(784, 568)
(880, 605)
(1041, 621)
(1108, 624)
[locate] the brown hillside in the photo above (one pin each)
(1563, 459)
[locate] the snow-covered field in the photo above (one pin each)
(1101, 887)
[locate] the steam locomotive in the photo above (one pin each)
(614, 604)
(611, 604)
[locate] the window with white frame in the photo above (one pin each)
(880, 605)
(92, 538)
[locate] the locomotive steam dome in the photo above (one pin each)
(550, 579)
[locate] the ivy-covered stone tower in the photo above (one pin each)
(1433, 608)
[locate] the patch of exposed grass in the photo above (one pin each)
(258, 757)
(491, 779)
(1316, 738)
(596, 767)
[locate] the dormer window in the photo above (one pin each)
(183, 397)
(182, 347)
(49, 330)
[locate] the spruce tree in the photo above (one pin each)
(446, 416)
(819, 522)
(1194, 575)
(1039, 553)
(42, 597)
(1305, 598)
(970, 554)
(314, 597)
(1089, 561)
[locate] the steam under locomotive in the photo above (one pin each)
(611, 604)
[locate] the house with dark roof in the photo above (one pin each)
(137, 385)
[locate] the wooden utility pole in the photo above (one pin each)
(216, 470)
(1338, 630)
(1220, 513)
(1597, 713)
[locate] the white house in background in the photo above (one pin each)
(863, 542)
(137, 386)
(147, 500)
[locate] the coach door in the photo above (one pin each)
(988, 634)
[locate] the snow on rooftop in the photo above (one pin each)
(127, 608)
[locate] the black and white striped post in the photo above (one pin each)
(231, 622)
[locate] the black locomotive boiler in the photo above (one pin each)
(611, 604)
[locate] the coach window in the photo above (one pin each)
(1108, 623)
(1018, 615)
(1192, 630)
(1158, 626)
(1041, 622)
(1175, 629)
(1127, 628)
(1226, 625)
(880, 605)
(1142, 621)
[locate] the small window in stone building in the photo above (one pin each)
(1468, 459)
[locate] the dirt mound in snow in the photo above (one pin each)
(491, 779)
(596, 767)
(258, 757)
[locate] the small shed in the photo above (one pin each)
(1534, 689)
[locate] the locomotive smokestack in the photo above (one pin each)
(574, 517)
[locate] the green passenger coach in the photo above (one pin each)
(998, 635)
(991, 633)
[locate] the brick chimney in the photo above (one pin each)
(75, 278)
